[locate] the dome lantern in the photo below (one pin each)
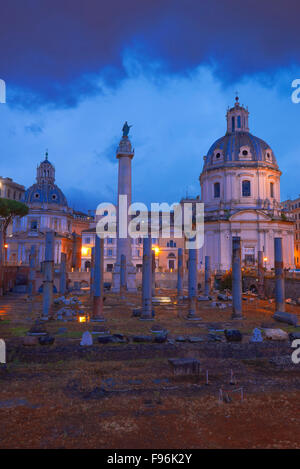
(237, 118)
(45, 172)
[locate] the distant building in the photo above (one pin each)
(166, 250)
(9, 189)
(292, 209)
(81, 221)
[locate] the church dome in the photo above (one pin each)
(45, 190)
(238, 146)
(39, 194)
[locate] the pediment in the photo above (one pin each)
(250, 215)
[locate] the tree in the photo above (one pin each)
(10, 209)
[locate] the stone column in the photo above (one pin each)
(153, 273)
(31, 283)
(63, 274)
(236, 278)
(125, 153)
(146, 313)
(97, 314)
(192, 278)
(279, 277)
(207, 276)
(260, 265)
(92, 272)
(48, 275)
(1, 261)
(180, 274)
(123, 275)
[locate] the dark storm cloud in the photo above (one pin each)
(54, 48)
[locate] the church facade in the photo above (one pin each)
(48, 211)
(240, 189)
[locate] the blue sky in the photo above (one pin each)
(75, 73)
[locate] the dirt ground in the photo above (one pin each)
(125, 395)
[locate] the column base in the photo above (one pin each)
(193, 318)
(131, 279)
(236, 316)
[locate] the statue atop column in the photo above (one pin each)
(126, 129)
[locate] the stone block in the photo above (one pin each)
(275, 334)
(287, 318)
(30, 341)
(233, 335)
(185, 366)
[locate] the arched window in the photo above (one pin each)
(239, 122)
(232, 124)
(217, 190)
(246, 189)
(272, 189)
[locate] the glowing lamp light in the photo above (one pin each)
(265, 259)
(156, 249)
(6, 246)
(82, 319)
(84, 251)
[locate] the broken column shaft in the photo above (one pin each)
(31, 283)
(207, 276)
(180, 274)
(153, 273)
(260, 260)
(236, 278)
(147, 279)
(97, 314)
(192, 277)
(63, 274)
(123, 282)
(92, 272)
(279, 276)
(48, 274)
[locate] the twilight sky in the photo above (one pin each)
(76, 70)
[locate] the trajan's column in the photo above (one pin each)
(125, 154)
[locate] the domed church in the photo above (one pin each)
(240, 189)
(48, 211)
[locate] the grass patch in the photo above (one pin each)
(19, 331)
